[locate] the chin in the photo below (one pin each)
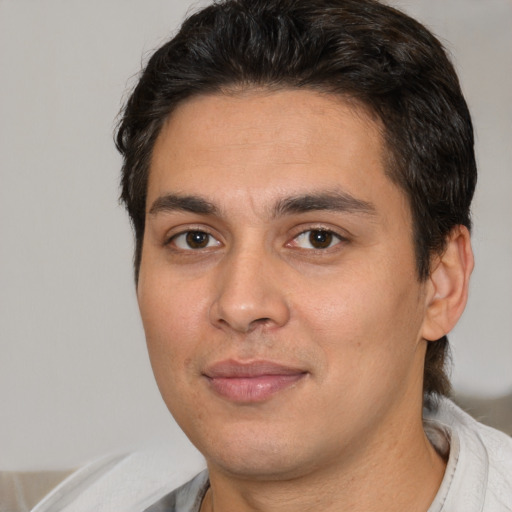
(258, 465)
(258, 455)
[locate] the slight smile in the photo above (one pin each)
(251, 382)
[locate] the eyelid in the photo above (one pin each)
(174, 233)
(341, 238)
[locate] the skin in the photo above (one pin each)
(352, 317)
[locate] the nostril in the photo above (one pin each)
(259, 322)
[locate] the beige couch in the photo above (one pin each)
(20, 491)
(495, 412)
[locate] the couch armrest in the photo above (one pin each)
(22, 490)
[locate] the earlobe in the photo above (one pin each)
(448, 285)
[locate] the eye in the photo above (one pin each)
(194, 240)
(316, 239)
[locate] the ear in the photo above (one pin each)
(448, 285)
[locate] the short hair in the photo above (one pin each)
(368, 53)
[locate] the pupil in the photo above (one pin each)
(320, 239)
(197, 239)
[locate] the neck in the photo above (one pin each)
(401, 471)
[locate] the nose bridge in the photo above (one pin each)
(248, 291)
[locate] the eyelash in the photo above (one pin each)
(189, 233)
(333, 239)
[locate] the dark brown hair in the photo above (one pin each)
(360, 49)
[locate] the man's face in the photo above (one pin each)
(278, 286)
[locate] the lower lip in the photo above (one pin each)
(253, 389)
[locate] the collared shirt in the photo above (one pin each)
(478, 475)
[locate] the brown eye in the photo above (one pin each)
(194, 240)
(197, 239)
(317, 239)
(320, 239)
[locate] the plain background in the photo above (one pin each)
(75, 380)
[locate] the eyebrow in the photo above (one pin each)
(333, 201)
(176, 202)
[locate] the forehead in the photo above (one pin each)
(260, 144)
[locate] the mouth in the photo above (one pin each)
(252, 382)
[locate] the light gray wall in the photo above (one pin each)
(75, 380)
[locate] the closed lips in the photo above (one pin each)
(251, 382)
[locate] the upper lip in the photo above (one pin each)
(233, 369)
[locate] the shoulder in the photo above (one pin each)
(130, 482)
(483, 471)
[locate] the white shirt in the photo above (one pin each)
(478, 476)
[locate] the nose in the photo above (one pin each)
(249, 294)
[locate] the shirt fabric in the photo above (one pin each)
(478, 475)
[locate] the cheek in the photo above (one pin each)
(368, 321)
(171, 317)
(346, 307)
(171, 327)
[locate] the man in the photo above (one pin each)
(299, 175)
